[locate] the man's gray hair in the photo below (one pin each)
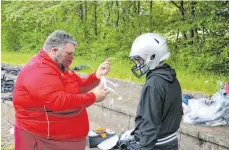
(58, 39)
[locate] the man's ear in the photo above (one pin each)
(54, 51)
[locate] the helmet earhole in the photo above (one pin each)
(152, 57)
(156, 40)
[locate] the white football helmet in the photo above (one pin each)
(147, 51)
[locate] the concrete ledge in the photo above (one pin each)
(119, 115)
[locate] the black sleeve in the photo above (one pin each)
(151, 104)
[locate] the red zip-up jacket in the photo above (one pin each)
(52, 104)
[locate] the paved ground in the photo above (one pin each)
(7, 139)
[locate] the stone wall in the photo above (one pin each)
(117, 112)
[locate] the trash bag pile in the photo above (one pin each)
(81, 67)
(10, 70)
(8, 77)
(7, 85)
(212, 111)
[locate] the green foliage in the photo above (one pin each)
(197, 32)
(205, 48)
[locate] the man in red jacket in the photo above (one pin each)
(50, 100)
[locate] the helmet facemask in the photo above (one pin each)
(140, 68)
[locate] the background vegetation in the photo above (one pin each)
(197, 33)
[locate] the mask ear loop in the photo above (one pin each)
(104, 82)
(62, 68)
(114, 84)
(59, 49)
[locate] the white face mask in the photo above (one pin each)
(67, 60)
(104, 81)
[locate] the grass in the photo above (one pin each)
(195, 82)
(15, 57)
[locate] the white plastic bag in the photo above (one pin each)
(205, 110)
(104, 81)
(126, 136)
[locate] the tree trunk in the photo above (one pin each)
(182, 12)
(203, 29)
(117, 19)
(85, 20)
(177, 35)
(196, 33)
(109, 14)
(81, 12)
(192, 12)
(139, 6)
(135, 7)
(184, 36)
(107, 19)
(151, 10)
(95, 19)
(85, 10)
(191, 33)
(181, 8)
